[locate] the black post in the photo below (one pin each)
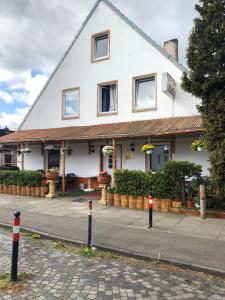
(15, 245)
(150, 209)
(90, 224)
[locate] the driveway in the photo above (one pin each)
(185, 239)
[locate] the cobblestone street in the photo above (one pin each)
(60, 275)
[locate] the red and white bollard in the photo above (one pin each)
(150, 209)
(15, 245)
(90, 224)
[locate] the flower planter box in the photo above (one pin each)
(110, 198)
(145, 203)
(165, 205)
(5, 189)
(117, 200)
(157, 203)
(1, 188)
(23, 190)
(28, 190)
(124, 201)
(37, 191)
(44, 191)
(140, 202)
(132, 202)
(18, 190)
(104, 179)
(177, 204)
(10, 189)
(14, 189)
(32, 192)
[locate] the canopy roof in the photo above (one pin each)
(187, 125)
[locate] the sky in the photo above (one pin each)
(34, 34)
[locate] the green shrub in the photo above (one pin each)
(22, 178)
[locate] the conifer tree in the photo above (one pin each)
(206, 80)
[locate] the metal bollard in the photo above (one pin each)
(150, 207)
(90, 224)
(202, 201)
(15, 245)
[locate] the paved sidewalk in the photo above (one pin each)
(65, 276)
(184, 239)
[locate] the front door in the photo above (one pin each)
(159, 157)
(107, 161)
(53, 158)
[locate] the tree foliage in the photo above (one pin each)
(206, 80)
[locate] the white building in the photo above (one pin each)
(113, 85)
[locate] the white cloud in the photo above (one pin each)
(6, 97)
(12, 120)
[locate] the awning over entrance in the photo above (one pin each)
(187, 125)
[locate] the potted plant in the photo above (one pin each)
(52, 174)
(198, 145)
(104, 178)
(107, 150)
(147, 148)
(66, 151)
(110, 196)
(177, 203)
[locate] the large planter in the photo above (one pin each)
(104, 179)
(117, 200)
(165, 205)
(18, 190)
(145, 203)
(157, 203)
(124, 201)
(28, 190)
(190, 203)
(177, 204)
(52, 176)
(23, 190)
(132, 202)
(140, 202)
(37, 191)
(10, 189)
(33, 191)
(44, 191)
(110, 198)
(1, 188)
(14, 189)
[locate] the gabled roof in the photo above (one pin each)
(125, 19)
(188, 125)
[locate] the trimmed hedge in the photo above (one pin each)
(166, 183)
(20, 178)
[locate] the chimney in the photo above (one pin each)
(171, 48)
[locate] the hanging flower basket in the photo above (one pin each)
(66, 151)
(52, 174)
(107, 150)
(25, 150)
(147, 148)
(198, 145)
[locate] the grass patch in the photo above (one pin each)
(35, 236)
(7, 284)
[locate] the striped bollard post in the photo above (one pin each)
(90, 224)
(15, 245)
(150, 207)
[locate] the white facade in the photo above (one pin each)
(131, 55)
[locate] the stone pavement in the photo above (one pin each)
(61, 275)
(182, 238)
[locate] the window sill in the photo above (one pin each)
(107, 114)
(135, 110)
(70, 118)
(95, 60)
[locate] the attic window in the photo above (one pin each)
(100, 46)
(107, 98)
(70, 103)
(144, 93)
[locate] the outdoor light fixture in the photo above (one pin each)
(132, 147)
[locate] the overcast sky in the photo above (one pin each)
(34, 34)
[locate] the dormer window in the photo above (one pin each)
(70, 103)
(144, 93)
(100, 46)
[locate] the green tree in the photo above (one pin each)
(206, 80)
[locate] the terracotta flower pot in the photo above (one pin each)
(104, 179)
(124, 201)
(23, 190)
(190, 203)
(52, 176)
(18, 190)
(37, 191)
(117, 200)
(10, 189)
(140, 202)
(14, 189)
(1, 188)
(110, 198)
(165, 205)
(132, 202)
(176, 203)
(28, 190)
(33, 191)
(6, 189)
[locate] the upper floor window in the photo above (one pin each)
(71, 102)
(100, 45)
(144, 93)
(107, 98)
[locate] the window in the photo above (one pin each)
(100, 46)
(159, 156)
(144, 93)
(71, 99)
(107, 98)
